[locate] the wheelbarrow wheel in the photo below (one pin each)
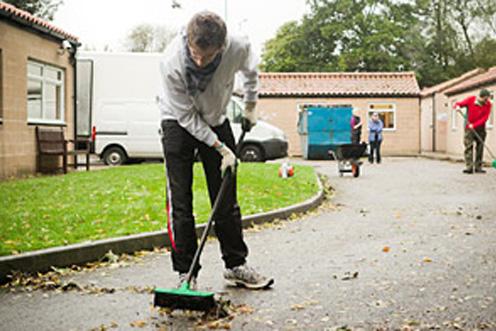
(355, 170)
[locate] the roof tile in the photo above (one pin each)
(448, 84)
(480, 80)
(338, 84)
(12, 11)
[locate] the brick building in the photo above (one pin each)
(469, 87)
(36, 86)
(394, 95)
(434, 113)
(442, 128)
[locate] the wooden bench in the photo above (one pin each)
(52, 142)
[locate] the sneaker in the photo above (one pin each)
(192, 284)
(468, 171)
(246, 276)
(480, 171)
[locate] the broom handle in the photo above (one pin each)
(229, 175)
(483, 143)
(477, 135)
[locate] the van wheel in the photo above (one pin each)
(251, 153)
(114, 156)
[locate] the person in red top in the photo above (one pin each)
(478, 110)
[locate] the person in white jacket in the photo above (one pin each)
(197, 74)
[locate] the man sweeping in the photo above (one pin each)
(197, 75)
(478, 110)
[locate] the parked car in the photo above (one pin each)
(263, 142)
(117, 109)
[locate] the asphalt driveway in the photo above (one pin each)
(410, 244)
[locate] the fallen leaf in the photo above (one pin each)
(386, 249)
(427, 260)
(110, 257)
(138, 324)
(244, 309)
(349, 276)
(297, 306)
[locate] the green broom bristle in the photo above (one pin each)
(184, 298)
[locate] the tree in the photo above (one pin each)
(344, 35)
(453, 32)
(44, 9)
(438, 39)
(148, 38)
(288, 51)
(485, 53)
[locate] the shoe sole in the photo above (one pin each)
(240, 283)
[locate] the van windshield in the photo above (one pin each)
(234, 110)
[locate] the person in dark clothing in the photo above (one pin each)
(375, 137)
(356, 128)
(478, 110)
(197, 75)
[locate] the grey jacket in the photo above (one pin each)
(197, 114)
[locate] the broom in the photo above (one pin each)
(184, 297)
(493, 163)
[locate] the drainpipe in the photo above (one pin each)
(74, 86)
(434, 122)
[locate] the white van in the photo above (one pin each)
(117, 108)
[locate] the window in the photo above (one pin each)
(45, 93)
(387, 114)
(234, 111)
(490, 121)
(454, 116)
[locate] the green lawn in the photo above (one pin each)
(51, 211)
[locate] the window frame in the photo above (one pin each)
(490, 121)
(454, 116)
(45, 82)
(235, 110)
(393, 110)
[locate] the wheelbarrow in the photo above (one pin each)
(348, 158)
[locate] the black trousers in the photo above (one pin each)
(470, 139)
(375, 148)
(179, 151)
(356, 136)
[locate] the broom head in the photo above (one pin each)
(184, 298)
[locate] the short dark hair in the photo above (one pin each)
(484, 93)
(206, 30)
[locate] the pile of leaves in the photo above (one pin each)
(58, 279)
(219, 317)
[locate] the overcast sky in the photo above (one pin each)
(106, 22)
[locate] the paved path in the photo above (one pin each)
(411, 243)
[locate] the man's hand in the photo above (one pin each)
(228, 158)
(249, 116)
(470, 126)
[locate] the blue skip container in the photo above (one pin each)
(323, 128)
